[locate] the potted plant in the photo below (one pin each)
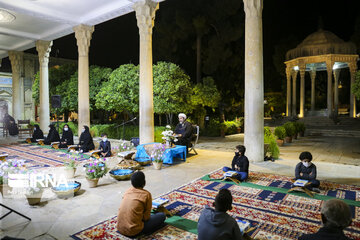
(297, 129)
(34, 194)
(168, 136)
(280, 133)
(95, 170)
(11, 166)
(238, 124)
(290, 131)
(302, 128)
(156, 155)
(70, 167)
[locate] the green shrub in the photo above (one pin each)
(290, 129)
(301, 126)
(280, 132)
(269, 138)
(230, 127)
(213, 129)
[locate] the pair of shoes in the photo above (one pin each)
(315, 190)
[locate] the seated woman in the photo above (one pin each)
(10, 125)
(53, 135)
(240, 164)
(67, 137)
(307, 171)
(86, 142)
(183, 131)
(37, 134)
(105, 146)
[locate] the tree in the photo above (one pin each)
(356, 87)
(172, 90)
(121, 92)
(205, 94)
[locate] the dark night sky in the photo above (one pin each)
(116, 42)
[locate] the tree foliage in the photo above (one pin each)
(206, 94)
(356, 87)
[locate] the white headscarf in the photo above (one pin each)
(182, 115)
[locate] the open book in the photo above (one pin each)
(159, 202)
(230, 174)
(243, 225)
(300, 183)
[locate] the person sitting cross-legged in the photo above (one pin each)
(53, 135)
(105, 146)
(67, 137)
(335, 217)
(86, 143)
(215, 223)
(240, 164)
(134, 216)
(37, 134)
(307, 171)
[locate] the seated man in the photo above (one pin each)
(307, 171)
(335, 217)
(105, 146)
(240, 163)
(53, 135)
(134, 213)
(37, 134)
(183, 131)
(216, 223)
(67, 137)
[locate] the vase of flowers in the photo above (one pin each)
(95, 170)
(156, 155)
(11, 166)
(168, 136)
(70, 167)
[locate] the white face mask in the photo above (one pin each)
(306, 164)
(104, 139)
(65, 129)
(82, 130)
(34, 129)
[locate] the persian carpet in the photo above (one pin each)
(262, 200)
(37, 156)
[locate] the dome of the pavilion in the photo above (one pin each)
(321, 42)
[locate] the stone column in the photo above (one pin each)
(145, 15)
(336, 91)
(16, 59)
(288, 91)
(302, 68)
(83, 34)
(352, 68)
(43, 48)
(329, 69)
(254, 81)
(294, 76)
(313, 76)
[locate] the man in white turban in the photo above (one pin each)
(183, 131)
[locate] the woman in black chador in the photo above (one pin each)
(53, 135)
(86, 142)
(37, 134)
(67, 137)
(10, 125)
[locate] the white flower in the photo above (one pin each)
(168, 126)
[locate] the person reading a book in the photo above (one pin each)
(134, 216)
(105, 146)
(53, 135)
(306, 170)
(240, 164)
(67, 137)
(216, 223)
(37, 134)
(335, 217)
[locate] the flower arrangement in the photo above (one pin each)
(12, 166)
(157, 152)
(168, 134)
(124, 146)
(96, 169)
(70, 162)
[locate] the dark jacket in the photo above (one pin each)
(185, 129)
(105, 147)
(10, 125)
(326, 233)
(37, 134)
(86, 142)
(300, 168)
(242, 163)
(215, 225)
(53, 136)
(68, 137)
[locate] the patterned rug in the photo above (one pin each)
(274, 214)
(37, 156)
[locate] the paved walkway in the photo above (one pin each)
(58, 218)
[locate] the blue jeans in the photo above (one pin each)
(155, 222)
(241, 175)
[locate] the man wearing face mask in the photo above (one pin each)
(105, 146)
(307, 170)
(240, 163)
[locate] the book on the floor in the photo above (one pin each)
(53, 143)
(159, 202)
(243, 225)
(38, 140)
(230, 174)
(300, 182)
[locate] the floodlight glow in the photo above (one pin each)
(296, 68)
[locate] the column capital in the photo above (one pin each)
(294, 73)
(313, 73)
(352, 67)
(83, 34)
(288, 72)
(329, 65)
(16, 59)
(253, 8)
(145, 16)
(43, 48)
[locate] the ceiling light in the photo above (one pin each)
(5, 16)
